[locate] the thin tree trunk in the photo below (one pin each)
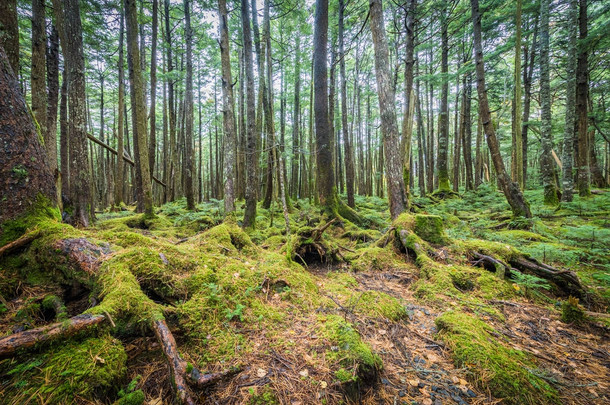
(53, 98)
(528, 74)
(582, 90)
(389, 125)
(188, 111)
(443, 138)
(9, 33)
(120, 179)
(296, 153)
(152, 143)
(38, 70)
(570, 119)
(349, 162)
(511, 190)
(517, 150)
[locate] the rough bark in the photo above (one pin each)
(324, 159)
(152, 143)
(138, 109)
(173, 169)
(407, 122)
(189, 165)
(296, 153)
(443, 136)
(547, 164)
(349, 161)
(570, 119)
(38, 70)
(64, 142)
(26, 180)
(511, 190)
(528, 74)
(53, 98)
(9, 33)
(227, 109)
(582, 89)
(251, 179)
(387, 105)
(118, 194)
(71, 35)
(517, 151)
(467, 136)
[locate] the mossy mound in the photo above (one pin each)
(430, 228)
(68, 374)
(508, 373)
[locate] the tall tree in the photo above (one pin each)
(119, 183)
(511, 190)
(443, 136)
(227, 109)
(188, 111)
(53, 99)
(138, 109)
(389, 124)
(349, 162)
(152, 143)
(547, 165)
(71, 37)
(582, 93)
(251, 179)
(407, 122)
(39, 71)
(570, 119)
(517, 150)
(296, 134)
(325, 177)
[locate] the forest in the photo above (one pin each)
(304, 202)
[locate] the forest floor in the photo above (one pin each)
(359, 321)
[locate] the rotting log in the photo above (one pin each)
(9, 345)
(565, 280)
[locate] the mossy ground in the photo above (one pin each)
(326, 332)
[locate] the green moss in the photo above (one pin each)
(379, 259)
(345, 376)
(54, 303)
(265, 397)
(133, 398)
(430, 228)
(347, 347)
(70, 373)
(505, 372)
(572, 312)
(38, 216)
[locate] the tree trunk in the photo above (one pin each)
(443, 136)
(53, 98)
(349, 162)
(296, 153)
(528, 74)
(9, 33)
(71, 35)
(582, 90)
(188, 111)
(547, 164)
(517, 150)
(407, 122)
(511, 190)
(570, 119)
(227, 109)
(173, 147)
(139, 109)
(64, 147)
(251, 163)
(25, 176)
(324, 159)
(38, 70)
(120, 180)
(152, 143)
(387, 104)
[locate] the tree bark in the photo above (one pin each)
(443, 136)
(71, 36)
(26, 181)
(152, 143)
(349, 160)
(511, 190)
(251, 179)
(296, 153)
(517, 150)
(387, 104)
(139, 109)
(547, 164)
(582, 90)
(53, 98)
(38, 70)
(9, 33)
(188, 111)
(118, 194)
(570, 119)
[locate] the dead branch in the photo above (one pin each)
(489, 263)
(564, 279)
(34, 337)
(21, 242)
(316, 233)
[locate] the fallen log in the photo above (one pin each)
(9, 345)
(566, 280)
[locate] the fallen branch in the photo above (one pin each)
(490, 263)
(34, 337)
(316, 233)
(564, 279)
(21, 242)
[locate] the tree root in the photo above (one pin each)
(180, 370)
(34, 337)
(19, 243)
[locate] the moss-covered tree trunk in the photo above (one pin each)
(443, 138)
(9, 32)
(27, 186)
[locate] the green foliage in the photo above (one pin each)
(572, 312)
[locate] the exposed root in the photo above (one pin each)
(180, 370)
(309, 246)
(566, 280)
(34, 337)
(19, 243)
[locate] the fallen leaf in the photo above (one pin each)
(413, 383)
(260, 373)
(323, 384)
(304, 373)
(427, 401)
